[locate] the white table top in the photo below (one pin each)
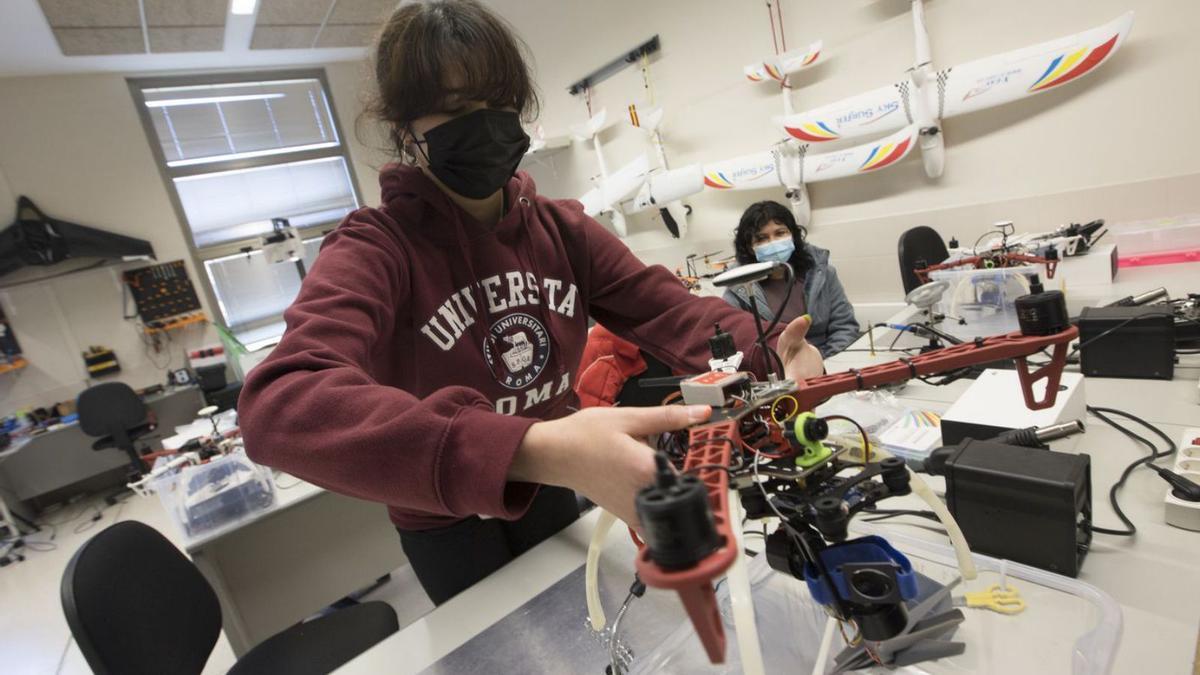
(1151, 575)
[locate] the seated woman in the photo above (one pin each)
(768, 232)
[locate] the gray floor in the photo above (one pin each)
(34, 638)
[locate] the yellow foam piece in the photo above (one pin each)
(1003, 600)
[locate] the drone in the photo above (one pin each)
(764, 454)
(1009, 250)
(691, 276)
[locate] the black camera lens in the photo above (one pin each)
(873, 585)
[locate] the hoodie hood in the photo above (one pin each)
(412, 199)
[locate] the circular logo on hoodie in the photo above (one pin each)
(518, 350)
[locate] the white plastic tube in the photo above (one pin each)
(741, 599)
(962, 551)
(826, 643)
(592, 572)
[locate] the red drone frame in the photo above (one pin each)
(995, 260)
(711, 444)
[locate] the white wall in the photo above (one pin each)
(76, 146)
(1119, 144)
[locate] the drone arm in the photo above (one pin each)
(812, 391)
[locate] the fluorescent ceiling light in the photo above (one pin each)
(242, 7)
(171, 102)
(250, 153)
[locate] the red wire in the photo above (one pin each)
(782, 35)
(771, 15)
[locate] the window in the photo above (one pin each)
(237, 151)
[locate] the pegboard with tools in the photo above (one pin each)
(162, 291)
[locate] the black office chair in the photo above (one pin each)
(135, 604)
(919, 247)
(117, 415)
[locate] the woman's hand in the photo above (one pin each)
(800, 359)
(601, 452)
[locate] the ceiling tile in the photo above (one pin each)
(283, 37)
(91, 13)
(362, 11)
(292, 12)
(186, 39)
(186, 12)
(347, 36)
(94, 41)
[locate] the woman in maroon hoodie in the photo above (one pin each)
(428, 358)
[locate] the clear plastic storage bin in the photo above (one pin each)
(984, 299)
(1068, 626)
(1160, 240)
(201, 499)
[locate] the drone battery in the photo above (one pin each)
(1133, 342)
(1027, 505)
(714, 388)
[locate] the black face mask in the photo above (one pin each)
(477, 153)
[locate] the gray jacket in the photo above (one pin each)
(833, 324)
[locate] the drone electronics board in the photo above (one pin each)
(162, 291)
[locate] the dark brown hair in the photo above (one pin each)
(762, 213)
(424, 43)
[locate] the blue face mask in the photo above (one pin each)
(780, 250)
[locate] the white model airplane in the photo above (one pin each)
(635, 187)
(927, 96)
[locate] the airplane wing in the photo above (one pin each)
(590, 128)
(618, 186)
(748, 172)
(879, 111)
(648, 118)
(1002, 78)
(755, 72)
(863, 158)
(760, 170)
(666, 186)
(785, 64)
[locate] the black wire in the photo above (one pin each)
(762, 341)
(896, 339)
(1154, 455)
(866, 441)
(884, 514)
(791, 282)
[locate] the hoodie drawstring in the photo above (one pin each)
(481, 311)
(523, 204)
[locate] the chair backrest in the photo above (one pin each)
(919, 247)
(135, 604)
(110, 409)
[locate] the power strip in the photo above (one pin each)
(1182, 513)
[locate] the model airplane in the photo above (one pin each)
(635, 187)
(926, 95)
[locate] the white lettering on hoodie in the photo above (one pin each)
(512, 290)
